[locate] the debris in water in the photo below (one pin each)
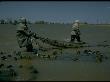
(9, 55)
(1, 65)
(1, 52)
(3, 58)
(9, 66)
(34, 71)
(20, 66)
(15, 58)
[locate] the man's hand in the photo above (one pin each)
(35, 35)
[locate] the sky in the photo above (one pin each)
(57, 11)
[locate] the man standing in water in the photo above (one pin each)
(75, 33)
(24, 35)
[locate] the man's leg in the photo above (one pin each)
(78, 38)
(72, 38)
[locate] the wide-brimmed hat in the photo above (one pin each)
(22, 20)
(76, 20)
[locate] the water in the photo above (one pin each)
(64, 68)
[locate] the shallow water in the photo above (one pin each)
(68, 70)
(64, 68)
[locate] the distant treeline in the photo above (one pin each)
(3, 21)
(14, 22)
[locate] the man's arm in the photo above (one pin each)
(22, 32)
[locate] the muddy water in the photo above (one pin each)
(68, 70)
(64, 68)
(85, 69)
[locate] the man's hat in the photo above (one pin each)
(76, 20)
(22, 20)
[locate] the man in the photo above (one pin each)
(24, 35)
(75, 33)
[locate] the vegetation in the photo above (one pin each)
(14, 22)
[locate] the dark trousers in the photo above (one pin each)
(29, 48)
(77, 37)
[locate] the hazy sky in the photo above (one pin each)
(58, 11)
